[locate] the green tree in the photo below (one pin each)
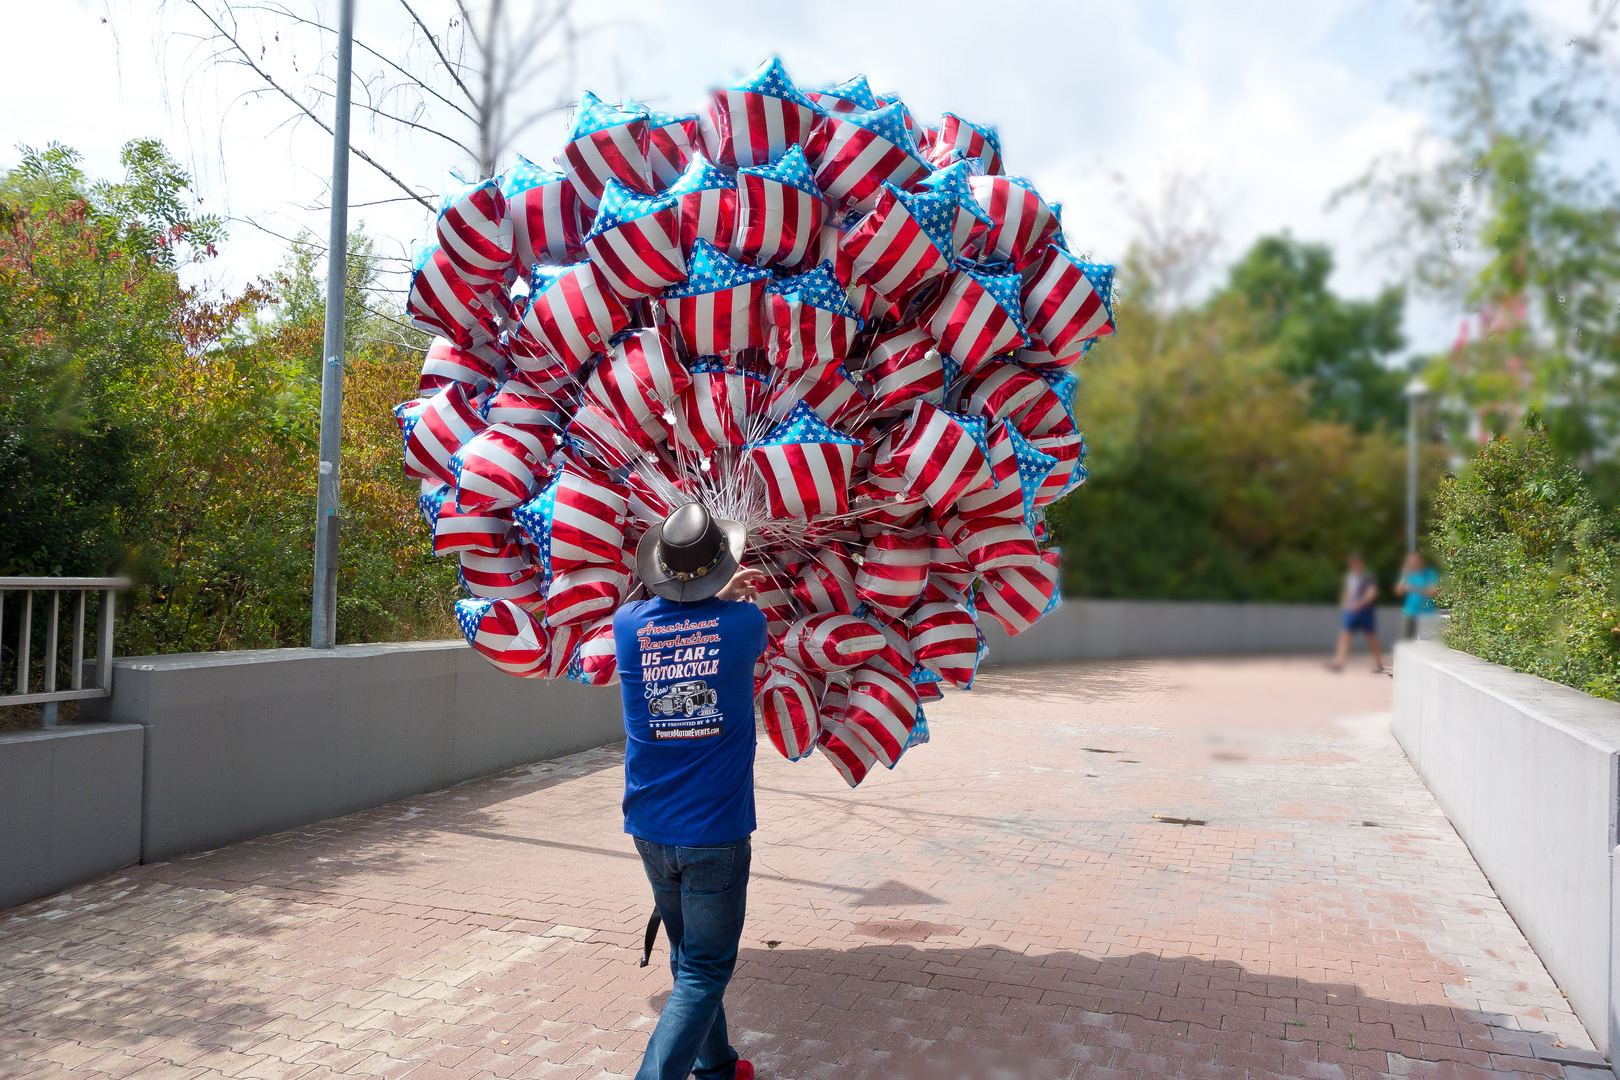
(1337, 347)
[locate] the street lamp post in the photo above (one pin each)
(323, 614)
(1415, 391)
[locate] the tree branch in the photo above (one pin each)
(433, 41)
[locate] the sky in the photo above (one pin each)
(1267, 106)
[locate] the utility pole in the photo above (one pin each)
(323, 618)
(1415, 391)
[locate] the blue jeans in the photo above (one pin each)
(702, 896)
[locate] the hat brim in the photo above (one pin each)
(698, 588)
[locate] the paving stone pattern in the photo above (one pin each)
(1018, 899)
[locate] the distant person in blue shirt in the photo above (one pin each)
(1419, 584)
(1358, 614)
(686, 669)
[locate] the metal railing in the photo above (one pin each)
(21, 590)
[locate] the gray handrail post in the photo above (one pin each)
(104, 640)
(48, 712)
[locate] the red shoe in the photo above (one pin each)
(745, 1070)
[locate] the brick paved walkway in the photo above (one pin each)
(1013, 901)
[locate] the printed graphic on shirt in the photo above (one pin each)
(674, 659)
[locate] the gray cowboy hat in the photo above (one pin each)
(691, 554)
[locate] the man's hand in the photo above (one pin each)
(744, 585)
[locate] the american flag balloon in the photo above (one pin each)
(635, 241)
(717, 309)
(882, 710)
(903, 242)
(847, 330)
(1067, 300)
(809, 319)
(671, 144)
(474, 231)
(978, 315)
(945, 639)
(831, 642)
(779, 211)
(938, 456)
(1021, 221)
(852, 95)
(481, 532)
(706, 197)
(501, 467)
(805, 465)
(757, 119)
(1019, 596)
(571, 314)
(959, 140)
(504, 634)
(442, 301)
(856, 153)
(893, 572)
(478, 367)
(595, 661)
(442, 426)
(788, 708)
(577, 521)
(969, 221)
(548, 219)
(606, 143)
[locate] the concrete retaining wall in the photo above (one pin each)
(241, 744)
(1102, 629)
(1528, 771)
(70, 807)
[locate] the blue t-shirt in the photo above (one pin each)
(1416, 602)
(687, 675)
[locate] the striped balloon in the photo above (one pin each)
(827, 583)
(586, 594)
(882, 710)
(578, 520)
(479, 366)
(809, 320)
(905, 368)
(977, 316)
(639, 381)
(959, 140)
(945, 639)
(848, 754)
(852, 95)
(1069, 450)
(484, 533)
(1021, 221)
(757, 119)
(474, 230)
(571, 314)
(504, 634)
(562, 642)
(828, 388)
(1067, 300)
(779, 211)
(548, 219)
(993, 543)
(707, 200)
(893, 572)
(903, 242)
(1000, 389)
(606, 144)
(855, 154)
(441, 301)
(504, 575)
(635, 241)
(938, 456)
(775, 599)
(501, 467)
(1018, 596)
(969, 221)
(443, 425)
(831, 642)
(596, 661)
(671, 144)
(805, 465)
(787, 706)
(718, 309)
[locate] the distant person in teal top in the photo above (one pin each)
(1419, 584)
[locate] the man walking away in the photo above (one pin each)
(1358, 614)
(1419, 584)
(686, 668)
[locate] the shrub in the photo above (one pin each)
(1530, 559)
